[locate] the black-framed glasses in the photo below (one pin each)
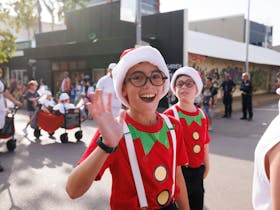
(188, 84)
(139, 78)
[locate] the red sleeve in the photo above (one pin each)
(207, 136)
(90, 149)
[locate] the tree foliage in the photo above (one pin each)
(69, 5)
(7, 45)
(7, 40)
(26, 14)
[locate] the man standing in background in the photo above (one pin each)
(66, 83)
(246, 89)
(228, 87)
(106, 84)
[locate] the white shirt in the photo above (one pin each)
(47, 102)
(2, 105)
(261, 196)
(106, 84)
(42, 89)
(61, 107)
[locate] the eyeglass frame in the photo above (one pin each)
(185, 83)
(164, 77)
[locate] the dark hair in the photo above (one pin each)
(210, 79)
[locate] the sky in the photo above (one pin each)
(261, 11)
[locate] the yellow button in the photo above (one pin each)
(160, 173)
(195, 135)
(196, 148)
(163, 197)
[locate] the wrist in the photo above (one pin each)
(104, 147)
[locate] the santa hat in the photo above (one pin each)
(130, 58)
(63, 97)
(191, 72)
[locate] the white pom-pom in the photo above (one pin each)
(278, 91)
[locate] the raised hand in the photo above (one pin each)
(110, 127)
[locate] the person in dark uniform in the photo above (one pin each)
(246, 88)
(228, 87)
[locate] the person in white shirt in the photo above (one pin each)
(4, 93)
(64, 104)
(266, 180)
(47, 101)
(105, 83)
(42, 87)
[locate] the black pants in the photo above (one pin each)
(227, 101)
(194, 182)
(172, 206)
(247, 105)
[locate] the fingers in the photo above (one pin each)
(109, 102)
(97, 106)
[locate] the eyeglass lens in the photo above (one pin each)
(188, 84)
(139, 78)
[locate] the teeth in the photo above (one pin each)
(148, 95)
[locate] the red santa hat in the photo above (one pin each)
(130, 58)
(191, 72)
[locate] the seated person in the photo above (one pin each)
(81, 104)
(47, 102)
(64, 104)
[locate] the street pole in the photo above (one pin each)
(138, 23)
(247, 38)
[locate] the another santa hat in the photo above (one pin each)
(191, 72)
(130, 58)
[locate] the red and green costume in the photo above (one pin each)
(154, 151)
(195, 125)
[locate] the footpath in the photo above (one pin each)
(258, 100)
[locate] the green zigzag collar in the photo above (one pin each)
(149, 139)
(189, 119)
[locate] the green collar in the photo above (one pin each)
(189, 119)
(149, 139)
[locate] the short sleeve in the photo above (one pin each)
(92, 146)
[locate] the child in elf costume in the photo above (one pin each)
(186, 84)
(143, 149)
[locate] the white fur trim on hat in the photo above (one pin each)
(133, 57)
(63, 97)
(112, 66)
(191, 72)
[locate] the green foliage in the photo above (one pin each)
(7, 45)
(69, 5)
(26, 16)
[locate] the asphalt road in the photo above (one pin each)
(36, 172)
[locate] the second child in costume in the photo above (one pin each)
(186, 84)
(143, 149)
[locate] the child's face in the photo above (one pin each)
(142, 95)
(185, 89)
(33, 87)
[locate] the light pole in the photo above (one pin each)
(247, 38)
(138, 23)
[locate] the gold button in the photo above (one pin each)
(196, 148)
(163, 197)
(195, 135)
(160, 173)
